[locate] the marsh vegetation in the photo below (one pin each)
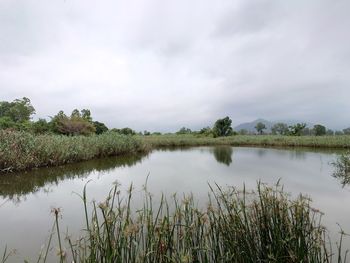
(265, 225)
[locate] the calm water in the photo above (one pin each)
(27, 198)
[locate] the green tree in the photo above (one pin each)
(40, 126)
(7, 123)
(100, 127)
(184, 130)
(86, 115)
(297, 129)
(280, 128)
(260, 127)
(222, 127)
(19, 110)
(73, 125)
(346, 131)
(75, 114)
(206, 131)
(319, 130)
(125, 131)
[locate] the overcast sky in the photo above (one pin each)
(161, 64)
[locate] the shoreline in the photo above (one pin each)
(21, 151)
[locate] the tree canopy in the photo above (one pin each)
(280, 128)
(222, 127)
(19, 110)
(319, 130)
(297, 129)
(260, 127)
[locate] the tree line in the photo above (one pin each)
(222, 127)
(18, 114)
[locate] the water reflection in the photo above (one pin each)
(15, 186)
(342, 169)
(180, 170)
(223, 154)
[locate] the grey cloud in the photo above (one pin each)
(248, 17)
(160, 65)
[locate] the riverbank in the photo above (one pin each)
(23, 151)
(342, 141)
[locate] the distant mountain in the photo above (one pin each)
(250, 126)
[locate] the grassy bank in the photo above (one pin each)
(250, 140)
(22, 150)
(235, 226)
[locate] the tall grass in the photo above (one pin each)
(22, 150)
(250, 140)
(235, 226)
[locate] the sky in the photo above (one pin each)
(160, 65)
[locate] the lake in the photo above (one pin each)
(27, 198)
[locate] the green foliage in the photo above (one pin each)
(297, 129)
(7, 123)
(260, 127)
(99, 127)
(125, 131)
(86, 115)
(73, 125)
(75, 114)
(222, 127)
(146, 133)
(184, 130)
(280, 129)
(206, 131)
(41, 126)
(319, 130)
(19, 110)
(346, 131)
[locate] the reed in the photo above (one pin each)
(265, 225)
(22, 150)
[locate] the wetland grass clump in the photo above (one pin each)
(266, 225)
(22, 150)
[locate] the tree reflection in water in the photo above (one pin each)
(223, 154)
(15, 186)
(342, 168)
